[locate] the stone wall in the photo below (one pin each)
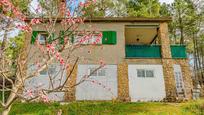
(70, 94)
(123, 82)
(167, 62)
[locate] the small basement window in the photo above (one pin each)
(140, 73)
(99, 72)
(145, 73)
(149, 73)
(52, 70)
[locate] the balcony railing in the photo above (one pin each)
(143, 51)
(178, 51)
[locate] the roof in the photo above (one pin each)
(120, 19)
(128, 19)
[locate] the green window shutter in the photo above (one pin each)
(109, 37)
(34, 36)
(61, 39)
(72, 38)
(51, 38)
(114, 37)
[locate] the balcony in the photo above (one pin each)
(178, 51)
(143, 51)
(154, 51)
(142, 41)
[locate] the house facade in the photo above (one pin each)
(140, 63)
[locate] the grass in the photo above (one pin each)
(110, 108)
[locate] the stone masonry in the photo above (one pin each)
(167, 62)
(123, 82)
(70, 94)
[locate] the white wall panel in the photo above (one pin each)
(147, 88)
(43, 82)
(103, 87)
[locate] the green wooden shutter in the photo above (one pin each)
(72, 38)
(34, 36)
(114, 37)
(61, 39)
(109, 37)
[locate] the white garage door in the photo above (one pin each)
(58, 76)
(146, 82)
(102, 85)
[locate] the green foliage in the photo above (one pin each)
(14, 46)
(6, 94)
(22, 5)
(165, 10)
(144, 8)
(50, 7)
(106, 8)
(195, 107)
(99, 8)
(109, 108)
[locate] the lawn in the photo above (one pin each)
(110, 108)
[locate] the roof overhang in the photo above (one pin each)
(116, 19)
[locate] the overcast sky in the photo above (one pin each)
(166, 1)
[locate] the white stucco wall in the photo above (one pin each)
(43, 82)
(103, 87)
(146, 89)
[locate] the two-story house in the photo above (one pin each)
(141, 64)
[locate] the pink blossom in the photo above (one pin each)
(35, 21)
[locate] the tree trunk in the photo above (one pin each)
(10, 101)
(6, 110)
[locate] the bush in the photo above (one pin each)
(196, 108)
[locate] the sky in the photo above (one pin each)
(166, 1)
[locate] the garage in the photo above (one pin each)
(101, 85)
(146, 82)
(42, 81)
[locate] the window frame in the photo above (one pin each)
(42, 42)
(47, 70)
(145, 73)
(97, 71)
(90, 41)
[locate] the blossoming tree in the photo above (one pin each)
(70, 15)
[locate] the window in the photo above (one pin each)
(149, 73)
(145, 73)
(94, 39)
(43, 72)
(42, 38)
(93, 72)
(50, 71)
(99, 72)
(140, 73)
